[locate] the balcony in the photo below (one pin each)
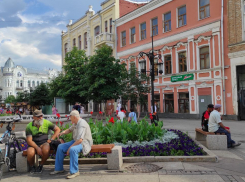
(19, 88)
(102, 38)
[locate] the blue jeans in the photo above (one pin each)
(229, 140)
(60, 155)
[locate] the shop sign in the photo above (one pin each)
(179, 78)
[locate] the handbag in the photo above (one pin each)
(54, 145)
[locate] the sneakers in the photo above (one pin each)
(39, 169)
(236, 144)
(32, 169)
(57, 172)
(73, 175)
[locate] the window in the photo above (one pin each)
(105, 26)
(182, 62)
(168, 66)
(182, 16)
(111, 25)
(79, 42)
(204, 9)
(19, 74)
(132, 35)
(167, 22)
(154, 23)
(169, 103)
(74, 42)
(29, 83)
(123, 38)
(17, 83)
(204, 58)
(183, 102)
(37, 83)
(33, 83)
(96, 30)
(66, 48)
(85, 41)
(143, 31)
(21, 83)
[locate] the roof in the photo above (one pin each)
(9, 63)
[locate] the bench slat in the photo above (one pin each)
(207, 133)
(95, 148)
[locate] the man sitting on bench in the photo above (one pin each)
(37, 140)
(215, 125)
(82, 142)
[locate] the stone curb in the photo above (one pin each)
(210, 157)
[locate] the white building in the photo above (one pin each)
(14, 79)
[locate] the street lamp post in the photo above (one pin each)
(152, 57)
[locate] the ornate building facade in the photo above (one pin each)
(15, 78)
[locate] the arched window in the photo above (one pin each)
(21, 83)
(37, 83)
(17, 83)
(66, 47)
(19, 74)
(96, 30)
(85, 41)
(29, 83)
(33, 83)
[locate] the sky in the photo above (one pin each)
(30, 30)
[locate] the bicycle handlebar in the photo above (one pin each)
(16, 119)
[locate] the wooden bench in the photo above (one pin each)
(114, 157)
(213, 141)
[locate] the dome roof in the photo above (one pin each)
(9, 63)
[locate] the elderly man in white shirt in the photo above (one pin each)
(215, 125)
(82, 142)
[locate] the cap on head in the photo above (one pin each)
(75, 113)
(37, 113)
(210, 106)
(216, 106)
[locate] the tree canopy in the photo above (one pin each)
(10, 99)
(104, 76)
(40, 96)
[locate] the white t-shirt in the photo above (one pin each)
(214, 120)
(121, 115)
(119, 107)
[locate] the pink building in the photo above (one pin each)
(188, 35)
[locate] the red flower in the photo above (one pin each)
(150, 114)
(124, 111)
(100, 112)
(151, 117)
(10, 112)
(111, 120)
(58, 115)
(61, 123)
(66, 116)
(56, 122)
(91, 112)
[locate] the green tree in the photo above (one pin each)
(40, 96)
(10, 99)
(136, 87)
(104, 75)
(69, 85)
(22, 97)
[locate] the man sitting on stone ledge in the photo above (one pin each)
(38, 141)
(215, 125)
(82, 142)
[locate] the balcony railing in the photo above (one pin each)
(19, 88)
(103, 38)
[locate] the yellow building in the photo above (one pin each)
(92, 30)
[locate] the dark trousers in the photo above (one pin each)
(229, 140)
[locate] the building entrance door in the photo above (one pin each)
(241, 91)
(204, 100)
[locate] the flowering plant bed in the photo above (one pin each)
(181, 146)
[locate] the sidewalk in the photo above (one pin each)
(231, 165)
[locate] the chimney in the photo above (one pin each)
(70, 22)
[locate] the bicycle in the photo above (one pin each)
(12, 143)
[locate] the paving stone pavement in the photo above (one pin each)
(229, 168)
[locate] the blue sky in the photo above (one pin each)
(30, 29)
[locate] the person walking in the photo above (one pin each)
(132, 116)
(54, 110)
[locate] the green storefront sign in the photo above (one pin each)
(182, 77)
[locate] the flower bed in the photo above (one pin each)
(181, 146)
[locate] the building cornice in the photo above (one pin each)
(141, 10)
(236, 54)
